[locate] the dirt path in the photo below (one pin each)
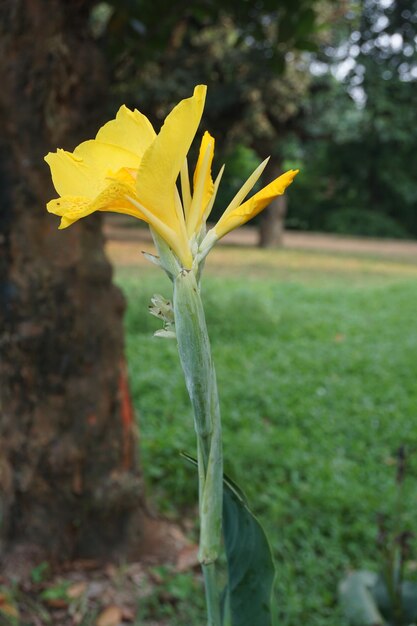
(118, 232)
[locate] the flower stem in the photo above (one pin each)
(195, 356)
(212, 595)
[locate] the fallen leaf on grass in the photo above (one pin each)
(76, 590)
(111, 616)
(9, 609)
(187, 558)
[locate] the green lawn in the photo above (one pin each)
(316, 363)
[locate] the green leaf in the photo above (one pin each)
(249, 559)
(247, 599)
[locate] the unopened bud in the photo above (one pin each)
(161, 308)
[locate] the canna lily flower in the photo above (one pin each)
(130, 169)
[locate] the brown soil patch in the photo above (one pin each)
(118, 231)
(308, 254)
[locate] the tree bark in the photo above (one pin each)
(272, 224)
(68, 479)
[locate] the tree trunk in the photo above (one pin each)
(272, 224)
(68, 482)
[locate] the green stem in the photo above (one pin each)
(212, 595)
(195, 356)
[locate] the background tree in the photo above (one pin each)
(68, 481)
(247, 53)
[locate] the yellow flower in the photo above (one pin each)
(130, 169)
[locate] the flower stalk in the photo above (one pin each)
(129, 168)
(200, 379)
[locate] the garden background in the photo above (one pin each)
(313, 329)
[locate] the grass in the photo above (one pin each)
(316, 363)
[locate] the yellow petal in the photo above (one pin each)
(185, 187)
(214, 194)
(207, 143)
(203, 185)
(254, 205)
(125, 175)
(70, 209)
(70, 174)
(162, 161)
(130, 130)
(246, 188)
(114, 198)
(84, 172)
(103, 158)
(173, 238)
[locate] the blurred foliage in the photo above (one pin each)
(321, 85)
(146, 30)
(360, 133)
(248, 54)
(363, 222)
